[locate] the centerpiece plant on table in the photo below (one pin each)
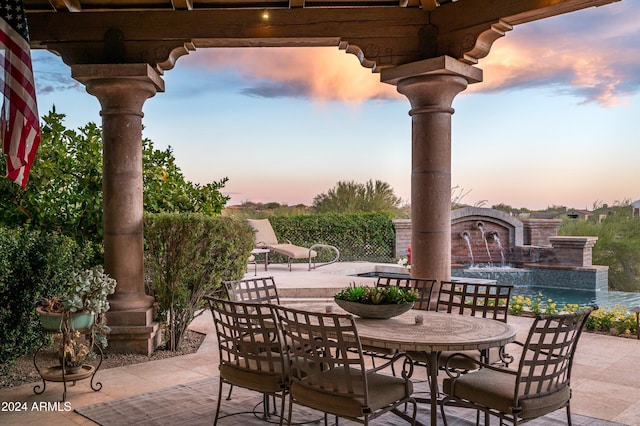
(376, 302)
(377, 295)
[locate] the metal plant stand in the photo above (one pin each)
(59, 373)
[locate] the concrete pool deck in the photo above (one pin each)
(605, 382)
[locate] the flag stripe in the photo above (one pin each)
(20, 71)
(19, 120)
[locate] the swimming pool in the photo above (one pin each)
(560, 296)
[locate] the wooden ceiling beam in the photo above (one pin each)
(467, 29)
(222, 24)
(469, 13)
(381, 36)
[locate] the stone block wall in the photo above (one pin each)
(403, 236)
(537, 232)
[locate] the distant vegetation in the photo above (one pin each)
(344, 197)
(618, 245)
(353, 197)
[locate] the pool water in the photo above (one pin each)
(560, 296)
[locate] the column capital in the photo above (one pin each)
(442, 65)
(144, 73)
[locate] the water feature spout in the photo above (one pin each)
(480, 226)
(465, 236)
(496, 238)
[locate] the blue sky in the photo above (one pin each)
(553, 123)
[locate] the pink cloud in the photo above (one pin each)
(320, 73)
(589, 54)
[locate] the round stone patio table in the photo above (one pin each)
(438, 332)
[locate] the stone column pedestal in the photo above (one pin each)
(537, 232)
(574, 251)
(122, 90)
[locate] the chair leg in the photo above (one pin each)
(215, 420)
(282, 409)
(229, 395)
(265, 406)
(568, 415)
(444, 417)
(291, 412)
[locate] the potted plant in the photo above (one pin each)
(376, 302)
(82, 306)
(73, 351)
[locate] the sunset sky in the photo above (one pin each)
(555, 121)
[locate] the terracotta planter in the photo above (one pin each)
(52, 321)
(374, 311)
(73, 370)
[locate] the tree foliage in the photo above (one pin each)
(65, 185)
(353, 197)
(618, 245)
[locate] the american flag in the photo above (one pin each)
(19, 120)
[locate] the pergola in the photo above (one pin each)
(119, 50)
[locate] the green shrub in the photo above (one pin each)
(33, 265)
(358, 236)
(187, 256)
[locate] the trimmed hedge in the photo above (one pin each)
(358, 236)
(33, 264)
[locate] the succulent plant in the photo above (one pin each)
(377, 295)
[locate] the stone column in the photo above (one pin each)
(122, 90)
(431, 85)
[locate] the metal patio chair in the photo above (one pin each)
(423, 286)
(255, 290)
(483, 300)
(251, 351)
(328, 377)
(539, 386)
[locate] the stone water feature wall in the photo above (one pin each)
(490, 244)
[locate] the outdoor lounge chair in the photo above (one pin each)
(266, 238)
(539, 386)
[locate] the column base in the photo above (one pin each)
(133, 331)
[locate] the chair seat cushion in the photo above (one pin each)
(383, 391)
(260, 381)
(494, 389)
(293, 251)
